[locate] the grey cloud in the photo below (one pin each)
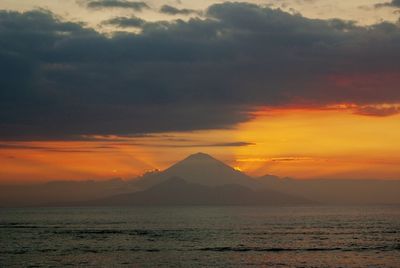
(101, 4)
(167, 9)
(393, 3)
(61, 80)
(7, 146)
(377, 111)
(233, 144)
(125, 22)
(112, 145)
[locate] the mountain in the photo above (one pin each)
(201, 169)
(60, 191)
(206, 180)
(177, 191)
(338, 191)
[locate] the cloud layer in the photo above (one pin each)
(167, 9)
(102, 4)
(125, 22)
(61, 80)
(393, 3)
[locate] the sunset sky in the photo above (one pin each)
(98, 89)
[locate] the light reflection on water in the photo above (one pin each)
(201, 237)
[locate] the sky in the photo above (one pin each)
(98, 89)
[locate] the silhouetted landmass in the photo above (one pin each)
(338, 191)
(201, 169)
(177, 191)
(202, 179)
(59, 191)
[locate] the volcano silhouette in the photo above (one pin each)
(177, 191)
(199, 179)
(199, 168)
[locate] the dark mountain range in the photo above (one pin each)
(60, 191)
(177, 191)
(338, 191)
(202, 179)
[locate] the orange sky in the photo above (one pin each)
(301, 143)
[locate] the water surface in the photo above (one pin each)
(200, 237)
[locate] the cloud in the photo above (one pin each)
(379, 110)
(62, 80)
(125, 22)
(220, 144)
(393, 3)
(102, 4)
(278, 159)
(167, 9)
(373, 110)
(22, 146)
(233, 144)
(191, 145)
(114, 146)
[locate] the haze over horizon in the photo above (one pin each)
(201, 172)
(98, 89)
(200, 179)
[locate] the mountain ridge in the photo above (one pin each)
(198, 169)
(177, 191)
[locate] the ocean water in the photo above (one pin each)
(200, 237)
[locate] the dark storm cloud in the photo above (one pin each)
(167, 9)
(125, 22)
(393, 3)
(101, 4)
(61, 80)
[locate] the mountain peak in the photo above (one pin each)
(200, 156)
(202, 169)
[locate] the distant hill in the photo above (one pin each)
(39, 194)
(177, 191)
(338, 191)
(201, 169)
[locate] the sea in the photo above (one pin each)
(197, 236)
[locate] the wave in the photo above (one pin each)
(258, 249)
